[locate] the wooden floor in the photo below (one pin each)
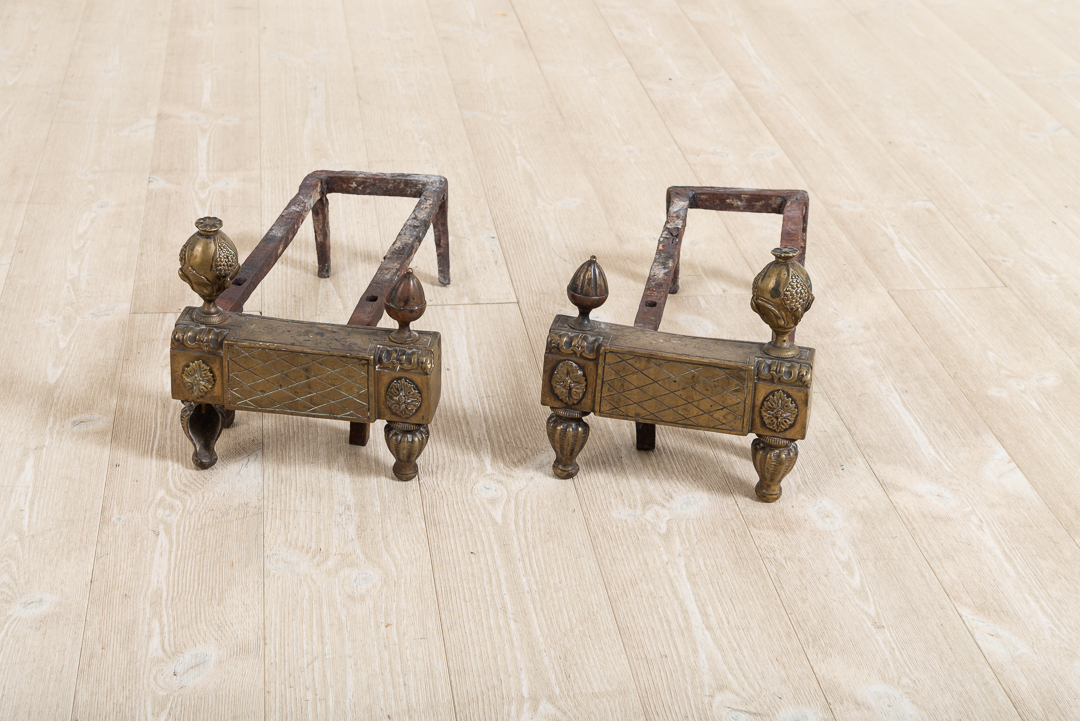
(924, 561)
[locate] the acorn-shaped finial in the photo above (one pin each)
(208, 263)
(587, 290)
(782, 292)
(405, 303)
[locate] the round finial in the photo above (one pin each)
(587, 290)
(208, 263)
(208, 225)
(405, 303)
(781, 293)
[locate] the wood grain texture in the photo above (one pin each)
(983, 193)
(36, 41)
(206, 145)
(906, 689)
(416, 126)
(922, 560)
(541, 200)
(310, 120)
(1023, 49)
(529, 626)
(1017, 130)
(945, 458)
(66, 301)
(351, 619)
(174, 627)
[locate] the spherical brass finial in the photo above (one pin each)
(208, 263)
(782, 292)
(405, 303)
(587, 290)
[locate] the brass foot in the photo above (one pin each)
(228, 418)
(202, 422)
(567, 431)
(406, 441)
(773, 459)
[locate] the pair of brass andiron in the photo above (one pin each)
(223, 360)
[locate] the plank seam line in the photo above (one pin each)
(438, 602)
(854, 439)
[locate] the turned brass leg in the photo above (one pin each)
(773, 459)
(202, 422)
(406, 441)
(568, 432)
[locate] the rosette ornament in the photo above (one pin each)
(208, 263)
(587, 290)
(781, 294)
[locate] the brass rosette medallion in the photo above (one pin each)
(568, 382)
(779, 411)
(403, 397)
(197, 378)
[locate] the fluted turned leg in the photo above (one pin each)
(773, 459)
(567, 431)
(406, 441)
(202, 422)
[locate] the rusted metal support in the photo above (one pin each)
(664, 274)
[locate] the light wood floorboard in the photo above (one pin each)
(923, 560)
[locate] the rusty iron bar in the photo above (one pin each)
(312, 197)
(664, 273)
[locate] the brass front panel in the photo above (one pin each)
(670, 390)
(303, 383)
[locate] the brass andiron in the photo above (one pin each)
(224, 360)
(643, 375)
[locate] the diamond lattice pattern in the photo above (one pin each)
(669, 391)
(308, 384)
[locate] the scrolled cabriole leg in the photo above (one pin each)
(567, 431)
(202, 422)
(406, 441)
(773, 459)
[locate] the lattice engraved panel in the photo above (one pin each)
(309, 384)
(667, 390)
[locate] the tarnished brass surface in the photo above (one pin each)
(653, 378)
(208, 263)
(223, 360)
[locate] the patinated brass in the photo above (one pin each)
(208, 263)
(652, 378)
(224, 360)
